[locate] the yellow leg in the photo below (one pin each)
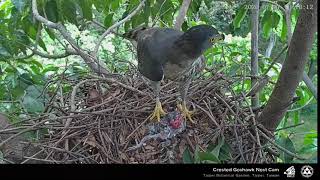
(158, 111)
(184, 110)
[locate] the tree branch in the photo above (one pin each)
(255, 51)
(102, 37)
(182, 14)
(67, 53)
(293, 67)
(310, 85)
(305, 78)
(89, 60)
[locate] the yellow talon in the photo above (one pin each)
(158, 112)
(185, 112)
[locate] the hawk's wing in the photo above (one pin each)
(153, 47)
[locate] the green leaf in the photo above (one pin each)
(302, 97)
(21, 40)
(69, 11)
(19, 4)
(17, 92)
(42, 44)
(3, 51)
(235, 53)
(239, 16)
(127, 26)
(207, 3)
(216, 150)
(275, 19)
(285, 141)
(32, 105)
(86, 8)
(137, 20)
(185, 26)
(25, 78)
(49, 68)
(186, 156)
(310, 138)
(50, 33)
(146, 12)
(115, 4)
(284, 29)
(34, 91)
(52, 11)
(207, 156)
(196, 154)
(195, 5)
(267, 27)
(225, 152)
(108, 20)
(296, 117)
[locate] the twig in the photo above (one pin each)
(102, 37)
(280, 147)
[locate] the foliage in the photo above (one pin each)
(215, 153)
(24, 77)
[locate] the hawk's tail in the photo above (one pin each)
(133, 34)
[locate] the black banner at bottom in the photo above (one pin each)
(197, 171)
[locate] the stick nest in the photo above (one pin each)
(102, 118)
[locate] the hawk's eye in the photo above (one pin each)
(216, 39)
(213, 40)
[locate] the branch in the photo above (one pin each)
(280, 147)
(292, 69)
(89, 60)
(67, 53)
(306, 79)
(96, 49)
(255, 51)
(182, 14)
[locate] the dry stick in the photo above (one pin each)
(66, 151)
(21, 132)
(137, 128)
(209, 115)
(23, 162)
(73, 107)
(255, 127)
(280, 147)
(287, 127)
(101, 137)
(121, 84)
(225, 103)
(238, 144)
(190, 143)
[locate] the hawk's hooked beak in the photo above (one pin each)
(216, 38)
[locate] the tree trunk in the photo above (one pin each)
(293, 67)
(182, 14)
(305, 77)
(254, 51)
